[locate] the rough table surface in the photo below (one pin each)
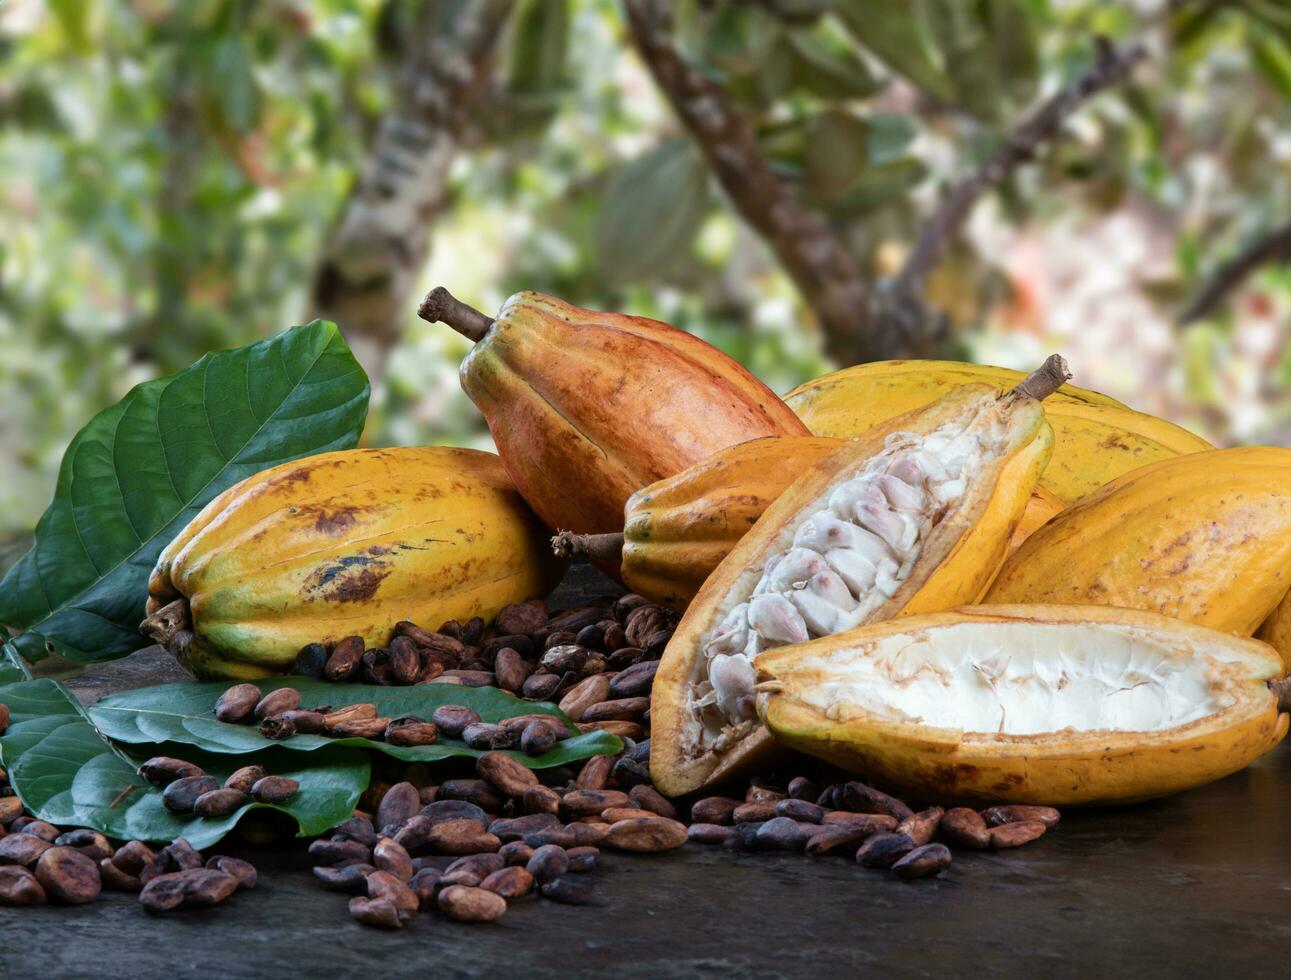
(1198, 885)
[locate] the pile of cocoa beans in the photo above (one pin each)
(188, 789)
(41, 863)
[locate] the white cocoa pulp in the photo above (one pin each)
(851, 551)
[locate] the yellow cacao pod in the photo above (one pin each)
(907, 519)
(1276, 631)
(1096, 438)
(344, 544)
(1029, 704)
(1204, 537)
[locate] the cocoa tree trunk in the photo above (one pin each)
(370, 262)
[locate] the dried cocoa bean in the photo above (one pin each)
(625, 657)
(390, 902)
(754, 812)
(1020, 813)
(561, 659)
(440, 641)
(587, 692)
(559, 638)
(635, 681)
(10, 809)
(785, 834)
(243, 872)
(472, 678)
(511, 883)
(219, 803)
(163, 893)
(922, 826)
(330, 853)
(587, 803)
(513, 829)
(568, 891)
(923, 862)
(245, 778)
(237, 703)
(414, 834)
(311, 661)
(649, 798)
(709, 833)
(511, 670)
(162, 770)
(623, 709)
(454, 809)
(178, 855)
(758, 793)
(68, 876)
(380, 913)
(561, 836)
(405, 662)
(276, 702)
(352, 879)
(133, 856)
(715, 809)
(1007, 834)
(520, 617)
(744, 836)
(517, 852)
(874, 823)
(277, 727)
(204, 887)
(583, 859)
(832, 838)
(965, 827)
(42, 829)
(182, 794)
(646, 834)
(430, 671)
(484, 735)
(537, 738)
(800, 810)
(305, 722)
(508, 775)
(461, 837)
(615, 814)
(573, 620)
(540, 687)
(860, 798)
(389, 855)
(424, 884)
(4, 717)
(595, 774)
(627, 773)
(586, 833)
(802, 788)
(274, 789)
(540, 799)
(481, 865)
(471, 904)
(884, 850)
(519, 642)
(18, 887)
(475, 791)
(346, 661)
(370, 728)
(115, 879)
(400, 802)
(350, 713)
(548, 863)
(518, 723)
(452, 719)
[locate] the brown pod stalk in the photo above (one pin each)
(598, 547)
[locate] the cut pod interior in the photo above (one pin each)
(851, 551)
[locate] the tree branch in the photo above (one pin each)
(821, 267)
(903, 301)
(380, 241)
(1271, 248)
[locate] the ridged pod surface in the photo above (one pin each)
(349, 543)
(700, 724)
(1204, 537)
(586, 408)
(1096, 438)
(1276, 631)
(1028, 704)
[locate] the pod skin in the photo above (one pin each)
(342, 544)
(1096, 438)
(956, 563)
(1276, 631)
(1204, 537)
(1214, 684)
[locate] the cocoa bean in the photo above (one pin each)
(237, 703)
(644, 621)
(623, 709)
(471, 904)
(573, 620)
(244, 778)
(430, 671)
(627, 773)
(453, 719)
(562, 659)
(424, 884)
(18, 886)
(922, 826)
(405, 662)
(509, 776)
(802, 788)
(585, 833)
(537, 738)
(744, 836)
(656, 643)
(709, 833)
(42, 829)
(923, 862)
(595, 774)
(559, 638)
(714, 809)
(548, 863)
(832, 838)
(1007, 834)
(757, 793)
(219, 803)
(800, 810)
(561, 836)
(587, 692)
(305, 722)
(591, 636)
(514, 853)
(10, 809)
(133, 856)
(414, 834)
(511, 883)
(519, 642)
(636, 681)
(311, 661)
(68, 876)
(370, 728)
(454, 809)
(860, 798)
(874, 823)
(391, 856)
(484, 735)
(350, 713)
(785, 834)
(162, 770)
(182, 794)
(586, 803)
(380, 913)
(568, 891)
(274, 789)
(472, 678)
(243, 872)
(400, 802)
(583, 859)
(481, 865)
(540, 799)
(646, 834)
(115, 879)
(518, 723)
(754, 812)
(475, 791)
(513, 829)
(648, 798)
(330, 853)
(352, 879)
(965, 827)
(884, 850)
(276, 702)
(540, 687)
(511, 670)
(163, 893)
(1019, 813)
(520, 617)
(440, 641)
(428, 794)
(204, 887)
(615, 814)
(346, 661)
(178, 855)
(625, 657)
(277, 728)
(461, 837)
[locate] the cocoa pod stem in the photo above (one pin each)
(607, 547)
(168, 622)
(441, 306)
(1044, 380)
(1281, 688)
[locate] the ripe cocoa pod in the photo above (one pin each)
(895, 522)
(306, 580)
(573, 399)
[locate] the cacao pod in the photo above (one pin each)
(676, 531)
(1204, 538)
(1029, 704)
(344, 544)
(1096, 438)
(586, 408)
(1276, 631)
(912, 518)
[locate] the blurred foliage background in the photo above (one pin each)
(181, 175)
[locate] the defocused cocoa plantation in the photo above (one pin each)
(806, 184)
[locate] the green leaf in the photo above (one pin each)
(874, 188)
(68, 774)
(653, 208)
(739, 38)
(826, 71)
(1272, 59)
(538, 47)
(896, 33)
(142, 469)
(12, 668)
(233, 83)
(847, 138)
(184, 713)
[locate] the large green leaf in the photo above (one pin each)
(67, 773)
(12, 668)
(828, 71)
(140, 470)
(899, 34)
(653, 208)
(184, 713)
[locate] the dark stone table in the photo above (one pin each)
(1198, 885)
